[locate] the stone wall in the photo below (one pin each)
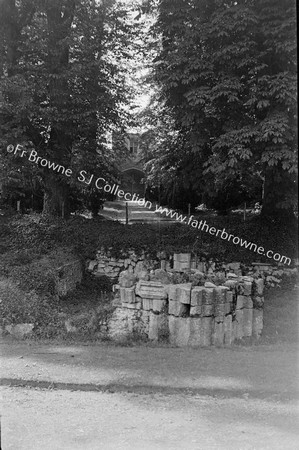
(185, 263)
(189, 315)
(185, 299)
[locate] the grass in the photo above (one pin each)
(26, 238)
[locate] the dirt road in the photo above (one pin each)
(107, 397)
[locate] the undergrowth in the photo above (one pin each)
(29, 237)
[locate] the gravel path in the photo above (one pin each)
(107, 397)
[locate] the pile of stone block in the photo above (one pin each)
(191, 300)
(189, 315)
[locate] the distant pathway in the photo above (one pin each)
(137, 214)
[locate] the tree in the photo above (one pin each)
(227, 74)
(62, 84)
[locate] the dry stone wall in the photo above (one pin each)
(142, 266)
(186, 300)
(189, 315)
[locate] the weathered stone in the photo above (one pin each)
(143, 323)
(262, 267)
(240, 301)
(258, 286)
(247, 321)
(258, 302)
(177, 309)
(208, 297)
(179, 330)
(184, 293)
(141, 271)
(234, 330)
(229, 296)
(127, 279)
(193, 264)
(231, 275)
(245, 288)
(257, 322)
(197, 276)
(112, 264)
(151, 289)
(208, 284)
(158, 305)
(219, 312)
(227, 308)
(171, 291)
(143, 275)
(120, 262)
(248, 278)
(20, 330)
(136, 305)
(247, 302)
(181, 261)
(116, 301)
(92, 266)
(234, 265)
(196, 296)
(162, 276)
(167, 266)
(163, 264)
(231, 284)
(127, 295)
(174, 308)
(228, 336)
(220, 294)
(118, 323)
(147, 304)
(218, 335)
(195, 311)
(239, 324)
(126, 263)
(207, 310)
(195, 336)
(158, 326)
(201, 266)
(206, 336)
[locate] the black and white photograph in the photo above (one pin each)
(149, 225)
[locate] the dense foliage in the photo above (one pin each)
(62, 87)
(25, 239)
(226, 72)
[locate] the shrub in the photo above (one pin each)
(19, 307)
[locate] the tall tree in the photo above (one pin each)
(227, 72)
(62, 84)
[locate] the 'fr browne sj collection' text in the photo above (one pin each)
(100, 182)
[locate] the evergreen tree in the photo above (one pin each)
(227, 74)
(62, 84)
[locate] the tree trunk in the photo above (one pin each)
(59, 18)
(56, 198)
